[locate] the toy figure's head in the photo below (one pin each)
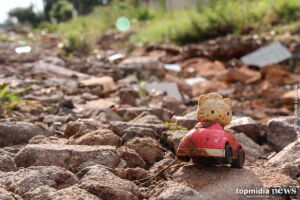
(213, 108)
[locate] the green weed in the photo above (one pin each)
(174, 126)
(77, 42)
(9, 100)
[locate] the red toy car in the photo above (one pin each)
(211, 145)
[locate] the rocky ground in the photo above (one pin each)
(90, 130)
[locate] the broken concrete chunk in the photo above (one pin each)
(7, 163)
(282, 131)
(170, 88)
(148, 148)
(133, 112)
(245, 125)
(46, 68)
(106, 185)
(271, 54)
(287, 160)
(66, 156)
(106, 82)
(24, 180)
(252, 150)
(12, 133)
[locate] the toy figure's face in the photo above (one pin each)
(214, 108)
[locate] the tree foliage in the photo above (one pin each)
(62, 11)
(26, 16)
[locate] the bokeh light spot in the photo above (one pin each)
(123, 24)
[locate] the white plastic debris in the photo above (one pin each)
(192, 81)
(116, 57)
(25, 49)
(173, 67)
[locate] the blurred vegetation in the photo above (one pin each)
(77, 42)
(9, 100)
(62, 11)
(215, 18)
(26, 16)
(206, 20)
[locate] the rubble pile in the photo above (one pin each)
(96, 126)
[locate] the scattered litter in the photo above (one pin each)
(116, 57)
(22, 42)
(173, 67)
(25, 49)
(192, 81)
(271, 54)
(169, 87)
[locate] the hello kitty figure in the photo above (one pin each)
(208, 142)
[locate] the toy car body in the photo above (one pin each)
(211, 144)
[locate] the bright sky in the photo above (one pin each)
(6, 5)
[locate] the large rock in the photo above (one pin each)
(132, 173)
(205, 87)
(81, 127)
(132, 112)
(202, 66)
(27, 179)
(252, 150)
(146, 118)
(6, 195)
(173, 138)
(120, 127)
(158, 166)
(243, 75)
(175, 106)
(288, 159)
(106, 83)
(128, 96)
(149, 149)
(70, 193)
(288, 98)
(217, 182)
(99, 137)
(101, 115)
(7, 163)
(245, 125)
(106, 185)
(48, 68)
(66, 156)
(132, 158)
(12, 133)
(40, 139)
(282, 131)
(188, 121)
(175, 191)
(132, 132)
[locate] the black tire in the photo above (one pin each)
(228, 154)
(202, 160)
(240, 159)
(183, 158)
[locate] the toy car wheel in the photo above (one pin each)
(201, 160)
(228, 154)
(240, 160)
(183, 158)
